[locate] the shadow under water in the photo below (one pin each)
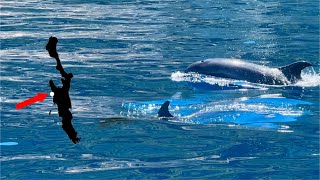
(111, 121)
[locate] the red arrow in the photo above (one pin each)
(39, 97)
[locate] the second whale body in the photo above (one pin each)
(243, 70)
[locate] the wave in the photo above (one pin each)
(309, 79)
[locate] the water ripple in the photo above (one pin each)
(126, 51)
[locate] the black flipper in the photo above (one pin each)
(164, 111)
(293, 71)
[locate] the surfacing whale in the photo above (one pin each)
(242, 70)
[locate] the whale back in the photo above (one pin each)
(243, 70)
(238, 69)
(293, 71)
(164, 111)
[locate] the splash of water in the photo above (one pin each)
(309, 78)
(195, 77)
(214, 82)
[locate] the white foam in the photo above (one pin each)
(195, 77)
(309, 78)
(32, 157)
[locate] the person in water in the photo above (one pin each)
(61, 95)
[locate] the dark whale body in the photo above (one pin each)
(242, 70)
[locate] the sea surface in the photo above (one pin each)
(127, 58)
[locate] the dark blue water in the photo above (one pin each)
(127, 58)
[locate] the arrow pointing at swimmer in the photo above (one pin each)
(39, 97)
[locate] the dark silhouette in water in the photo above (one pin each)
(164, 110)
(255, 73)
(61, 95)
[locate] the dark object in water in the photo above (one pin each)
(164, 111)
(242, 70)
(61, 95)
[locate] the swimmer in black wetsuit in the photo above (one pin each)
(61, 95)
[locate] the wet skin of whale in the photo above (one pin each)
(242, 70)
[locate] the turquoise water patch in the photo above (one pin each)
(8, 143)
(278, 101)
(251, 112)
(249, 42)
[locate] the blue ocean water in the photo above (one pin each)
(127, 58)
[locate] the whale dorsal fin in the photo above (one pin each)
(164, 111)
(293, 71)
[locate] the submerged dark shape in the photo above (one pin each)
(242, 70)
(164, 111)
(61, 95)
